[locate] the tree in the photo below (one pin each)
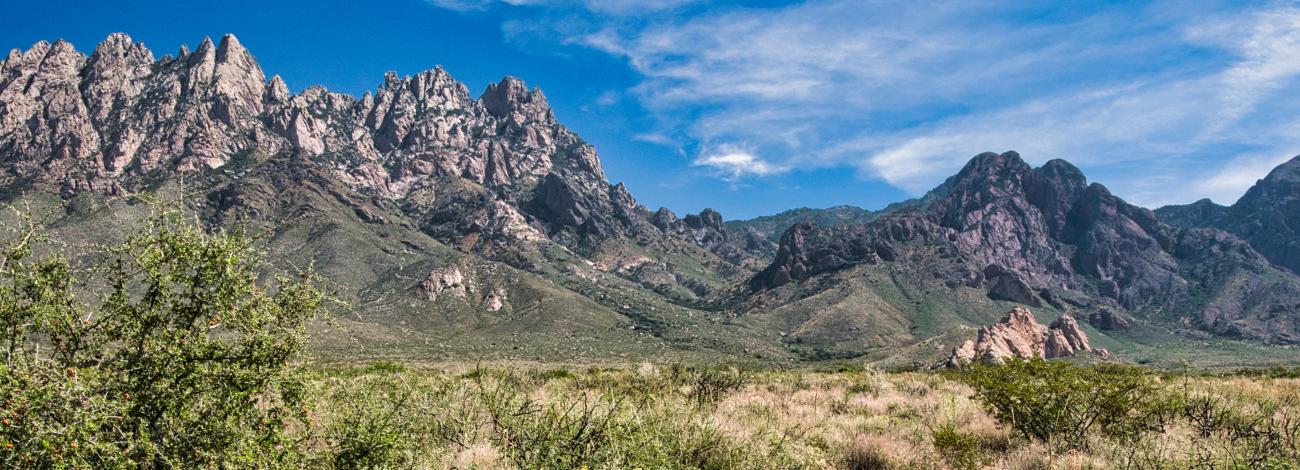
(168, 349)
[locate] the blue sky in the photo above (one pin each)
(756, 107)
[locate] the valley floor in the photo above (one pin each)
(388, 414)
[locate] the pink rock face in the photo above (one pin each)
(1065, 338)
(1020, 336)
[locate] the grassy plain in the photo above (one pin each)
(389, 414)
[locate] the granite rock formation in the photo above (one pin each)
(1020, 336)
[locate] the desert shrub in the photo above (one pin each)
(872, 382)
(864, 455)
(865, 387)
(1062, 404)
(168, 352)
(1264, 435)
(554, 374)
(386, 366)
(549, 436)
(612, 428)
(376, 421)
(959, 449)
(1206, 413)
(710, 385)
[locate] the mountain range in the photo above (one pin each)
(458, 227)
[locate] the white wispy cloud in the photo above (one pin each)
(1211, 133)
(655, 138)
(908, 94)
(1164, 102)
(462, 5)
(733, 162)
(482, 5)
(608, 98)
(630, 7)
(604, 7)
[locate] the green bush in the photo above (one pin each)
(377, 421)
(711, 385)
(387, 366)
(1062, 404)
(167, 352)
(960, 449)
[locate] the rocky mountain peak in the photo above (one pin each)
(277, 91)
(1040, 228)
(123, 109)
(238, 79)
(1267, 216)
(993, 169)
(1060, 170)
(119, 47)
(1283, 182)
(511, 99)
(664, 218)
(707, 218)
(1054, 188)
(206, 52)
(230, 49)
(1286, 172)
(988, 178)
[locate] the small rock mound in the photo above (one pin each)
(444, 280)
(1020, 336)
(462, 283)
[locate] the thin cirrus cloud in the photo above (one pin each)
(1200, 97)
(733, 163)
(604, 7)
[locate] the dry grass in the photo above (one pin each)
(650, 416)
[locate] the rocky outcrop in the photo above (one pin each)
(465, 284)
(1064, 339)
(495, 300)
(705, 229)
(1020, 336)
(444, 281)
